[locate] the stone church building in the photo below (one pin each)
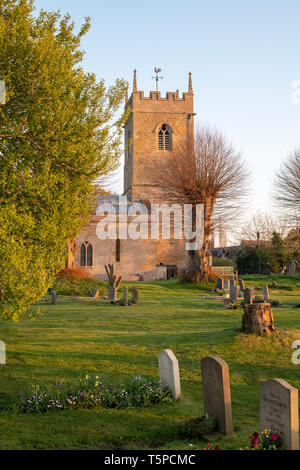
(155, 125)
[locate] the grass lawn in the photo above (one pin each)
(75, 338)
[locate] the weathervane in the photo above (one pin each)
(157, 77)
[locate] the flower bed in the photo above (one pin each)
(91, 393)
(268, 440)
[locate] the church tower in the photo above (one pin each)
(155, 125)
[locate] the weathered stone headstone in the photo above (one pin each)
(216, 392)
(234, 293)
(169, 372)
(279, 411)
(125, 294)
(258, 318)
(292, 268)
(112, 293)
(2, 353)
(220, 283)
(94, 293)
(265, 290)
(242, 285)
(135, 295)
(248, 295)
(226, 284)
(53, 297)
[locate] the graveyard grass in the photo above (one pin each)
(75, 338)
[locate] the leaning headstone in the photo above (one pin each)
(112, 293)
(292, 268)
(169, 372)
(216, 392)
(135, 295)
(265, 290)
(220, 283)
(53, 297)
(248, 295)
(242, 285)
(234, 293)
(226, 284)
(279, 411)
(125, 294)
(94, 293)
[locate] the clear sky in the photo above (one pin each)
(244, 56)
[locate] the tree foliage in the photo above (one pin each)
(58, 133)
(263, 259)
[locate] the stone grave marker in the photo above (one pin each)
(279, 411)
(135, 295)
(248, 295)
(234, 293)
(2, 353)
(226, 284)
(53, 297)
(125, 294)
(169, 372)
(292, 268)
(265, 290)
(220, 283)
(216, 392)
(242, 285)
(94, 293)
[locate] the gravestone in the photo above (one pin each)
(265, 290)
(112, 293)
(53, 297)
(94, 293)
(248, 295)
(2, 353)
(242, 285)
(216, 392)
(232, 282)
(234, 293)
(125, 294)
(135, 295)
(169, 372)
(279, 411)
(292, 268)
(226, 284)
(220, 283)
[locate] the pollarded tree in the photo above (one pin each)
(212, 174)
(58, 133)
(287, 187)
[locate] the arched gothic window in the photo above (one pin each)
(86, 254)
(164, 138)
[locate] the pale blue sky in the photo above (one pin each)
(244, 56)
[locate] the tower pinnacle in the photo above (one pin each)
(134, 81)
(190, 83)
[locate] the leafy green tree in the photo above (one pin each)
(253, 260)
(279, 252)
(60, 128)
